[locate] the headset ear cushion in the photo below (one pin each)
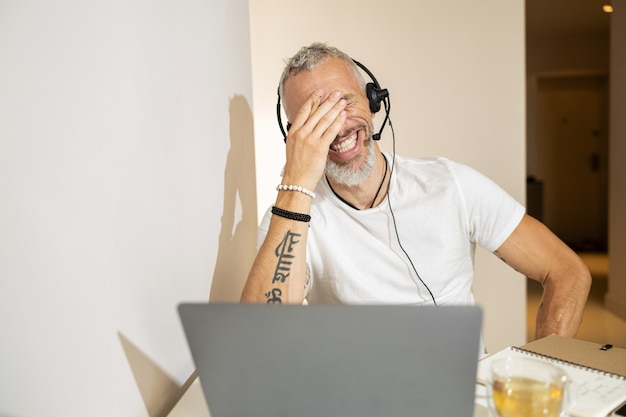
(373, 97)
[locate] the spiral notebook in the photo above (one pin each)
(597, 371)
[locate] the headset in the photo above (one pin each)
(375, 96)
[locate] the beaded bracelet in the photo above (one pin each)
(283, 187)
(291, 215)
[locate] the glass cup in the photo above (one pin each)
(525, 387)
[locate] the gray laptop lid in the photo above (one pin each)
(334, 361)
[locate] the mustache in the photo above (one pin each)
(350, 131)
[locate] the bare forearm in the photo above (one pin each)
(278, 274)
(537, 253)
(563, 303)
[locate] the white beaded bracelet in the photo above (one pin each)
(282, 187)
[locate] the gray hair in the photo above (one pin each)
(309, 57)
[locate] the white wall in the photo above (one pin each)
(123, 127)
(455, 72)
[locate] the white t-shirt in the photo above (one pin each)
(442, 209)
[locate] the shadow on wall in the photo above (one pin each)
(158, 390)
(236, 252)
(237, 241)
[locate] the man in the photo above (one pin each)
(380, 228)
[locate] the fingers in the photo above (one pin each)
(316, 125)
(320, 118)
(316, 100)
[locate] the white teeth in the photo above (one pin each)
(346, 145)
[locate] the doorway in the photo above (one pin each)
(570, 170)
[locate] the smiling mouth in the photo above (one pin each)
(346, 144)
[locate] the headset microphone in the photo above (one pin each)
(375, 97)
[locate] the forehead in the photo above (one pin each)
(330, 75)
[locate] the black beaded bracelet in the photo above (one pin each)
(291, 215)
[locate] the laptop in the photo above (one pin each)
(334, 360)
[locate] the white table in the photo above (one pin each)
(192, 403)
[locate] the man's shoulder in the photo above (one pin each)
(434, 165)
(433, 160)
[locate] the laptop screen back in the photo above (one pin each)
(336, 361)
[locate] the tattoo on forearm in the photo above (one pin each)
(285, 258)
(275, 294)
(283, 268)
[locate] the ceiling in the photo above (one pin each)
(566, 17)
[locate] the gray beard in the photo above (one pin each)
(346, 175)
